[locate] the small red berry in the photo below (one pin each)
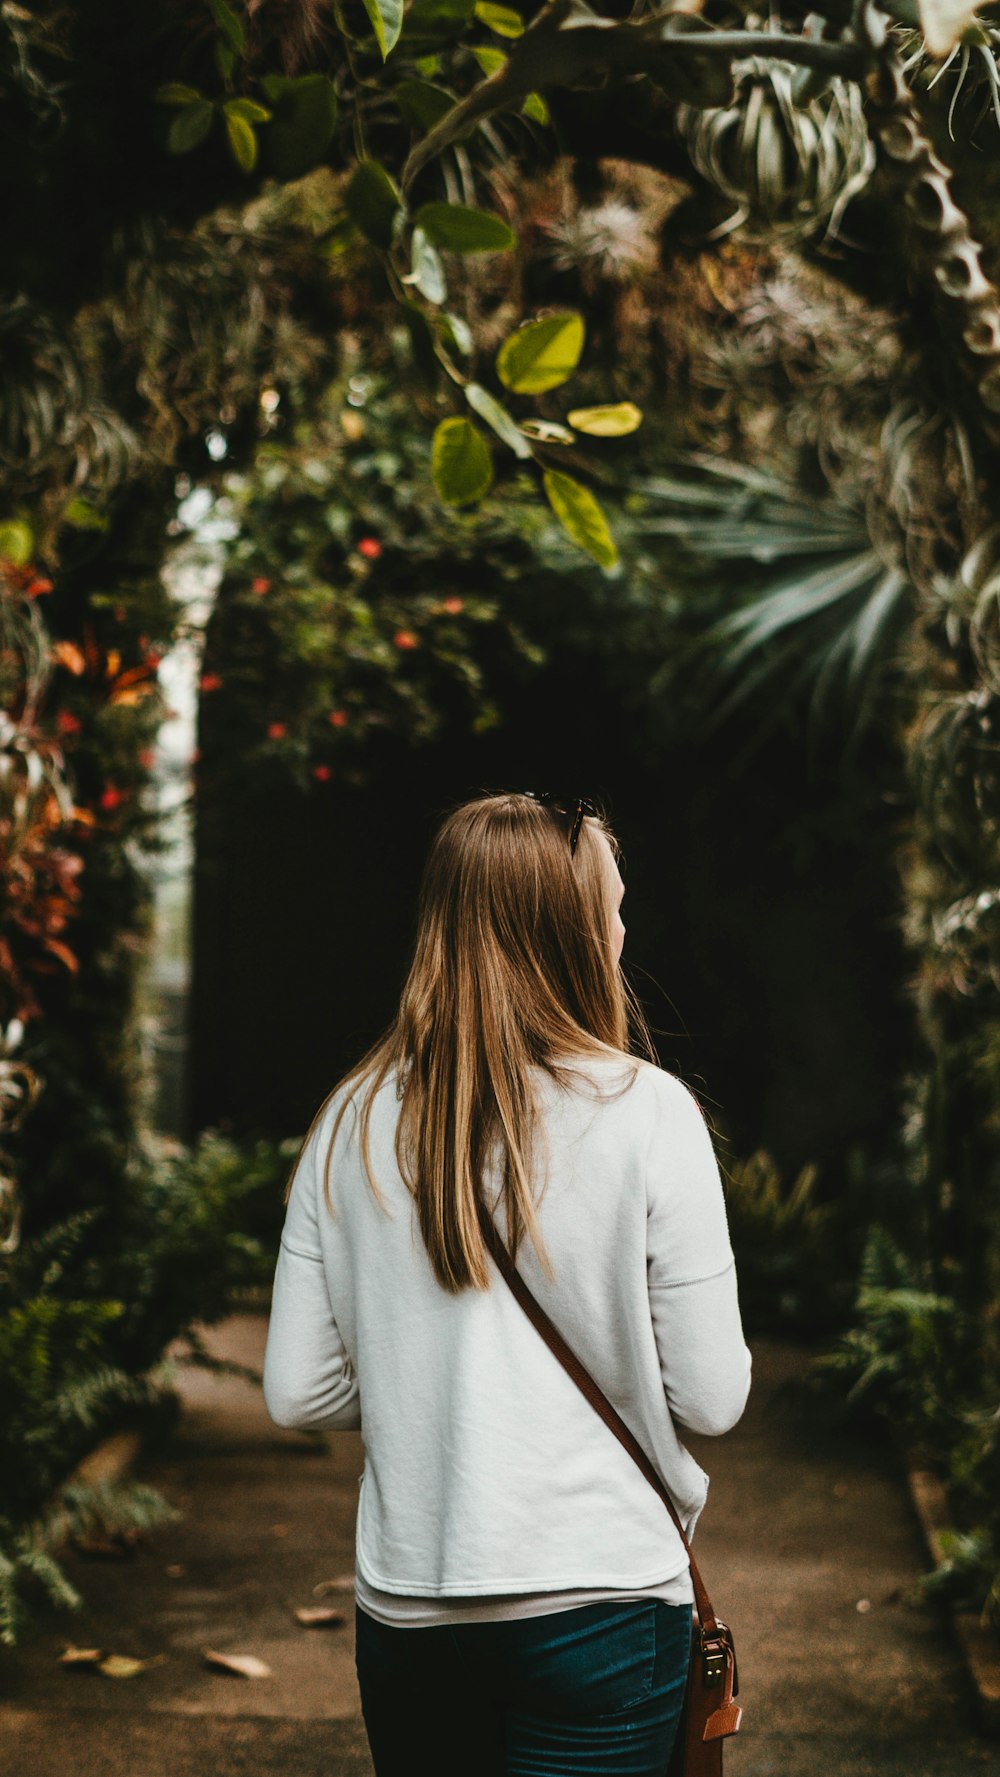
(260, 585)
(277, 730)
(111, 796)
(210, 681)
(67, 723)
(338, 718)
(34, 587)
(370, 548)
(322, 772)
(405, 639)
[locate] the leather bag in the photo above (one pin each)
(710, 1714)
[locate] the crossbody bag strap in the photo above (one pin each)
(597, 1398)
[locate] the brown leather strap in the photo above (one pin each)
(597, 1398)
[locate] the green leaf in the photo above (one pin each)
(456, 333)
(190, 127)
(176, 93)
(535, 107)
(460, 462)
(422, 104)
(459, 229)
(17, 540)
(581, 517)
(490, 60)
(616, 420)
(248, 109)
(387, 22)
(242, 140)
(426, 270)
(373, 202)
(305, 117)
(501, 19)
(229, 23)
(497, 417)
(541, 354)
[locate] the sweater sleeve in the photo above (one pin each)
(309, 1380)
(704, 1361)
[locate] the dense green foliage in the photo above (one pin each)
(202, 246)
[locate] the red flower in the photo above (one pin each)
(453, 606)
(338, 718)
(111, 795)
(276, 730)
(370, 548)
(67, 723)
(210, 681)
(322, 773)
(405, 639)
(260, 585)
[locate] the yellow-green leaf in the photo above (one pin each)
(387, 22)
(460, 462)
(17, 540)
(501, 19)
(242, 141)
(490, 60)
(248, 109)
(541, 354)
(616, 420)
(535, 107)
(547, 431)
(581, 517)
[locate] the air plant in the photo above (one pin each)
(788, 161)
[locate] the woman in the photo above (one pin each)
(523, 1599)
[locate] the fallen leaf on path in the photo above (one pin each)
(319, 1616)
(243, 1665)
(124, 1666)
(81, 1656)
(343, 1583)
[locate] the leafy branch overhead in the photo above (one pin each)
(407, 100)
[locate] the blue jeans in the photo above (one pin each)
(595, 1689)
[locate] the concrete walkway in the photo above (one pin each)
(808, 1543)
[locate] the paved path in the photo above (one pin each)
(804, 1526)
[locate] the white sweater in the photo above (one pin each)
(487, 1475)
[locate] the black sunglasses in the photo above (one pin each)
(572, 808)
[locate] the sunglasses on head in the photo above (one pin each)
(572, 808)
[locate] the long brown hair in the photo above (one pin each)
(513, 970)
